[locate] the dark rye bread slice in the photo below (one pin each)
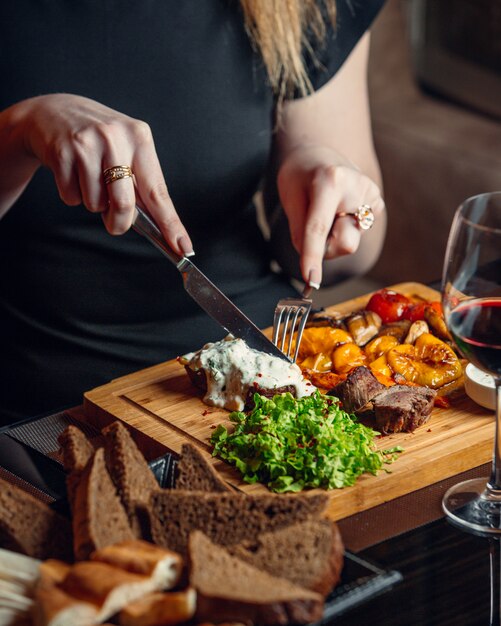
(309, 554)
(129, 471)
(194, 472)
(230, 589)
(76, 451)
(30, 526)
(226, 518)
(99, 518)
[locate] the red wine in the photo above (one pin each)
(476, 328)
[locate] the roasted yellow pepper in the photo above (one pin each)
(346, 357)
(380, 366)
(429, 362)
(322, 339)
(379, 346)
(319, 362)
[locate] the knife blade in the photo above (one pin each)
(205, 293)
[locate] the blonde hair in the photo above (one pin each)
(282, 30)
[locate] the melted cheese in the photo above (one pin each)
(232, 368)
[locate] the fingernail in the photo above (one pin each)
(314, 279)
(185, 246)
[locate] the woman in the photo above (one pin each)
(201, 99)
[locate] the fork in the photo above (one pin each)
(290, 318)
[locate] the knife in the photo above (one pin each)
(205, 293)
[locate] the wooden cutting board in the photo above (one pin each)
(161, 403)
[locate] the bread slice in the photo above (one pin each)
(160, 609)
(309, 554)
(226, 518)
(141, 557)
(99, 518)
(53, 606)
(30, 526)
(76, 451)
(195, 473)
(106, 587)
(230, 589)
(129, 471)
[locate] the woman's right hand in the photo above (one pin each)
(77, 139)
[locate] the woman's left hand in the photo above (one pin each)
(315, 183)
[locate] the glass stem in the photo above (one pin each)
(494, 483)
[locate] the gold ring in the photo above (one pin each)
(111, 174)
(364, 216)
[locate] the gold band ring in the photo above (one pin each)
(364, 216)
(111, 174)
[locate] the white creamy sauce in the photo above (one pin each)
(231, 368)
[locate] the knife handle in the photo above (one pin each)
(145, 226)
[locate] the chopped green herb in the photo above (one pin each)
(290, 444)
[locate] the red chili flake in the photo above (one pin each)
(213, 426)
(260, 375)
(429, 430)
(206, 412)
(255, 385)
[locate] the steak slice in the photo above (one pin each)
(402, 408)
(359, 387)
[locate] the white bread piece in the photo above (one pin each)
(106, 587)
(54, 570)
(160, 609)
(140, 557)
(54, 607)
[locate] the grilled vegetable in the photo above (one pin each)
(417, 329)
(363, 326)
(429, 362)
(379, 346)
(346, 357)
(437, 323)
(322, 339)
(388, 304)
(318, 362)
(398, 329)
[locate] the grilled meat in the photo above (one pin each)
(359, 387)
(402, 408)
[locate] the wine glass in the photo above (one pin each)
(471, 298)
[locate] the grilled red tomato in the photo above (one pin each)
(389, 305)
(416, 311)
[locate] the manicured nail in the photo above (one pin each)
(185, 246)
(314, 279)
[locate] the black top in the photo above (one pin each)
(79, 307)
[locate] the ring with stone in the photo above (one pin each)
(364, 216)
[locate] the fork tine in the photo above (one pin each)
(290, 317)
(301, 327)
(292, 327)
